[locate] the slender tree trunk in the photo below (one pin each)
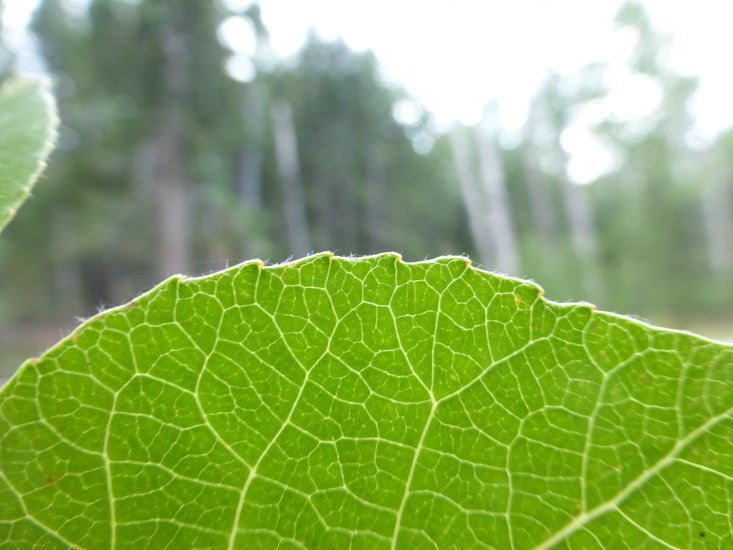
(716, 207)
(376, 202)
(346, 215)
(288, 167)
(498, 208)
(250, 174)
(65, 270)
(250, 169)
(541, 202)
(581, 222)
(472, 198)
(171, 191)
(171, 185)
(323, 208)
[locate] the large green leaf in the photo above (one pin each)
(27, 131)
(368, 403)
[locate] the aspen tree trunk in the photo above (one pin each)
(718, 221)
(496, 197)
(583, 237)
(250, 168)
(346, 216)
(288, 167)
(171, 178)
(66, 273)
(472, 199)
(323, 226)
(376, 203)
(541, 202)
(250, 162)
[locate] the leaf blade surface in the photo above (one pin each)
(28, 123)
(335, 402)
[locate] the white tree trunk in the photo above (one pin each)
(496, 197)
(541, 204)
(171, 178)
(716, 207)
(583, 237)
(376, 201)
(288, 167)
(472, 199)
(250, 170)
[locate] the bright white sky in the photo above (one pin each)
(455, 56)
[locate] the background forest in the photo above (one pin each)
(168, 163)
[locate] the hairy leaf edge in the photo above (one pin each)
(183, 279)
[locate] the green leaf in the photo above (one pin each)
(28, 124)
(367, 403)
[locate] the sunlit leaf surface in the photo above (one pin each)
(27, 131)
(367, 403)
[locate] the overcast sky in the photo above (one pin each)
(454, 56)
